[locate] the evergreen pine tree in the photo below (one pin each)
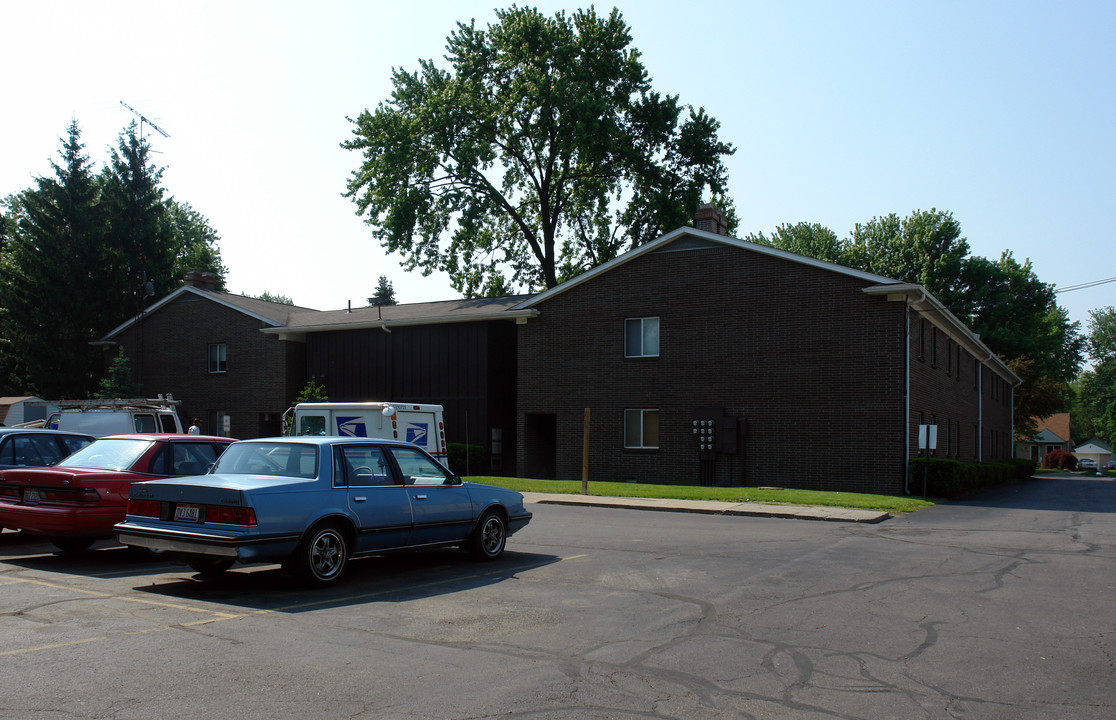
(140, 245)
(50, 273)
(385, 293)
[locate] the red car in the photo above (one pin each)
(77, 501)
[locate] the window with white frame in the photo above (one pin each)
(641, 429)
(218, 358)
(641, 337)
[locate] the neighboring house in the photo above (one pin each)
(19, 410)
(701, 358)
(1052, 433)
(704, 358)
(205, 348)
(1095, 449)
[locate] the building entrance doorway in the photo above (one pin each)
(541, 457)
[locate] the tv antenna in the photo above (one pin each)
(144, 120)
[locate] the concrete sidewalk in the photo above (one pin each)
(713, 507)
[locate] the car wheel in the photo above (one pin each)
(207, 566)
(490, 536)
(321, 556)
(72, 544)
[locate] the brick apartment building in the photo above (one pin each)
(228, 356)
(206, 349)
(702, 359)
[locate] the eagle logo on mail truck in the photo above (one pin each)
(417, 432)
(351, 426)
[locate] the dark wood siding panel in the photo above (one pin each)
(448, 364)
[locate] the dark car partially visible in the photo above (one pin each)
(34, 447)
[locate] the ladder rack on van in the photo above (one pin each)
(159, 403)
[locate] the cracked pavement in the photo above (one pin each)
(997, 607)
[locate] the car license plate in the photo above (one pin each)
(187, 513)
(31, 497)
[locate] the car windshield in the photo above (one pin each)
(108, 454)
(284, 459)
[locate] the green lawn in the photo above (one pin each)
(891, 503)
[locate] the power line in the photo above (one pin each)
(1082, 286)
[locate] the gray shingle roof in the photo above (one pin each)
(409, 314)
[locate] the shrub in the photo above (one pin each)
(953, 478)
(476, 456)
(1059, 460)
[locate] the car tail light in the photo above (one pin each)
(145, 508)
(81, 495)
(230, 515)
(10, 491)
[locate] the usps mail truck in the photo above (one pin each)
(421, 425)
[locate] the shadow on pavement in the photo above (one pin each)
(104, 559)
(390, 578)
(1066, 493)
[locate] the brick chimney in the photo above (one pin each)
(201, 280)
(710, 219)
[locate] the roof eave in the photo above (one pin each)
(510, 315)
(705, 235)
(922, 300)
(170, 298)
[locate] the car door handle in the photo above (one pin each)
(359, 499)
(420, 497)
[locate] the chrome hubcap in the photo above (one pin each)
(325, 555)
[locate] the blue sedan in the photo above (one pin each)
(312, 503)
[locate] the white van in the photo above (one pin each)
(421, 425)
(117, 416)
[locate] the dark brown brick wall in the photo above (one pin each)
(813, 365)
(168, 353)
(970, 404)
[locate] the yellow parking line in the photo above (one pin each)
(142, 601)
(5, 653)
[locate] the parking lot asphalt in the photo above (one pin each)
(713, 507)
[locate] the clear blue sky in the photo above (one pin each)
(1000, 112)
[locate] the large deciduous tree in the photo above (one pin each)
(542, 151)
(809, 239)
(1095, 406)
(925, 247)
(195, 242)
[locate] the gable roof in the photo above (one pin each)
(271, 313)
(1094, 445)
(6, 404)
(689, 238)
(1046, 436)
(1058, 424)
(916, 296)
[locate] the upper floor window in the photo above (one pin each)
(641, 337)
(218, 358)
